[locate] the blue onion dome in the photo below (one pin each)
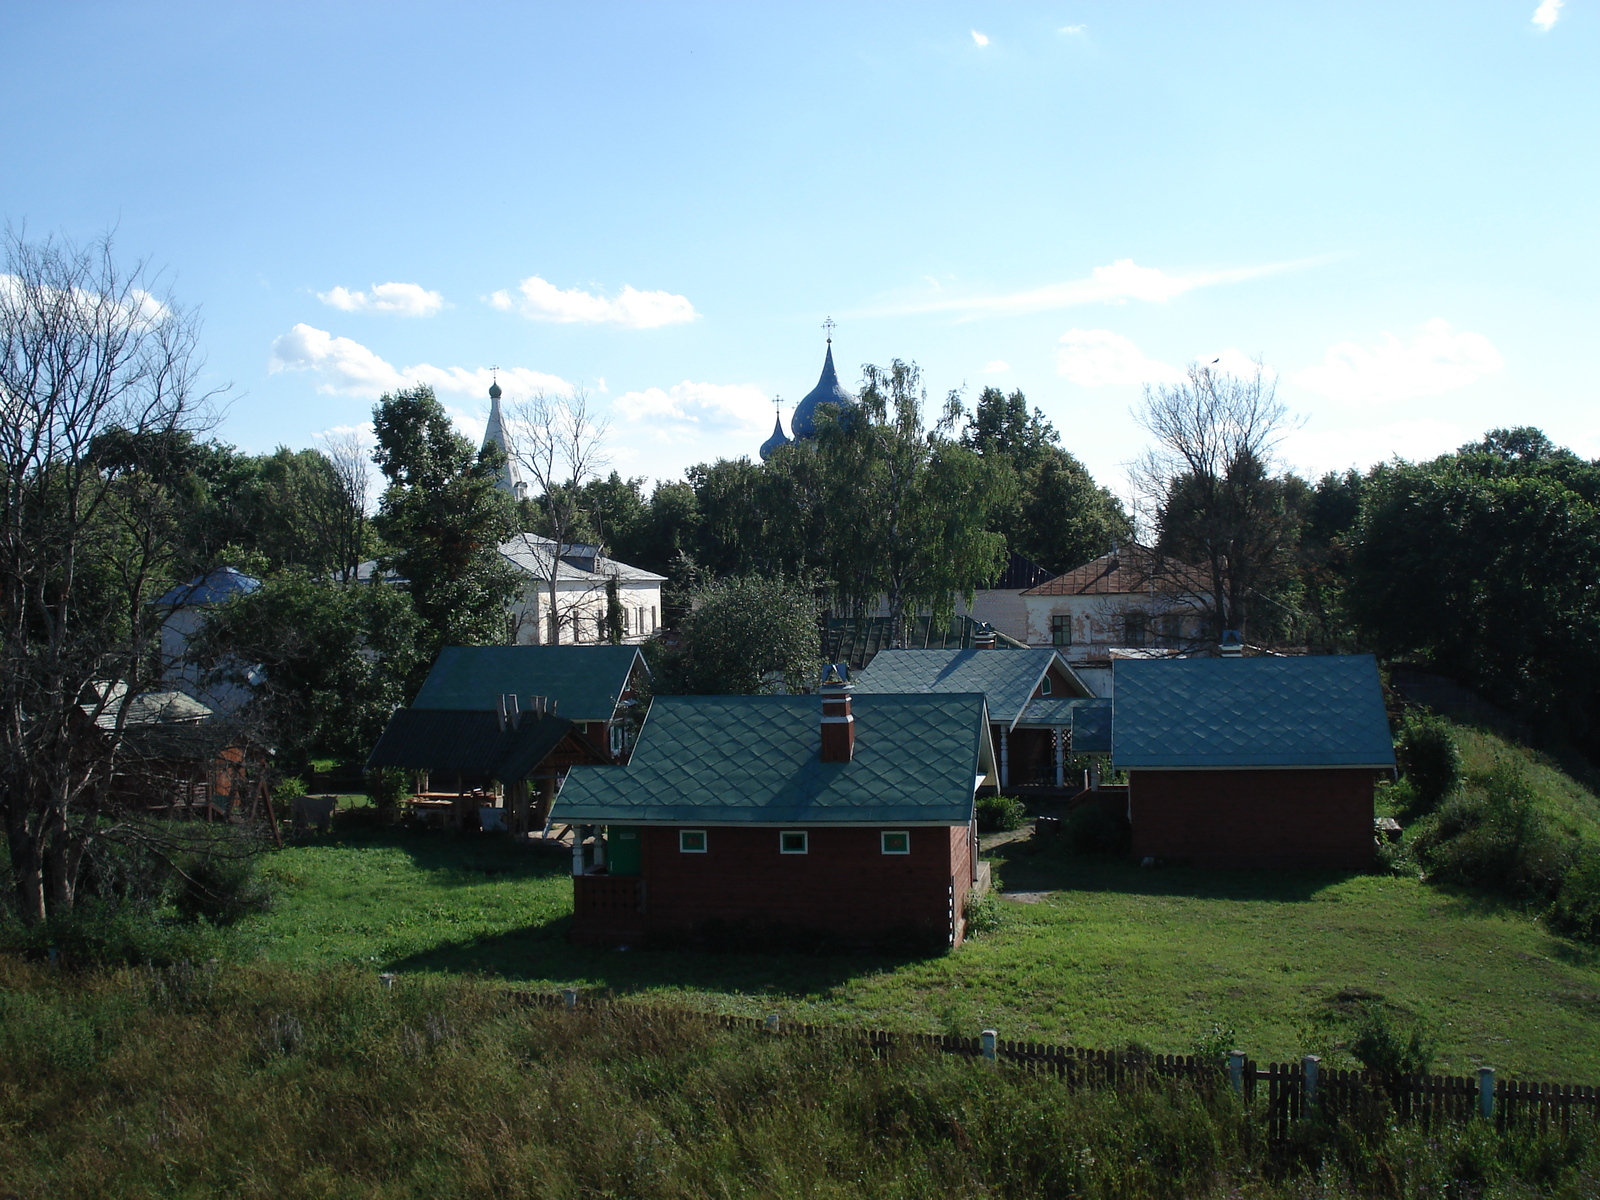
(804, 422)
(776, 441)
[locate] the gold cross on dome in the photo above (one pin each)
(828, 328)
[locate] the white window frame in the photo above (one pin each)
(685, 833)
(885, 835)
(803, 835)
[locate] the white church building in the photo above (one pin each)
(584, 576)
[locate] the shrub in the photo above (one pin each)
(221, 886)
(1391, 1045)
(1428, 758)
(1498, 842)
(1576, 911)
(1090, 829)
(1214, 1044)
(983, 913)
(999, 813)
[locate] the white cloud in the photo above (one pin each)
(1117, 283)
(1438, 359)
(1073, 28)
(1547, 14)
(1095, 357)
(401, 299)
(1317, 451)
(998, 367)
(542, 301)
(691, 410)
(348, 368)
(980, 38)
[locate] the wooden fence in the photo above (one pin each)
(1285, 1092)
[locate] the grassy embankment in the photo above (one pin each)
(1104, 953)
(282, 1083)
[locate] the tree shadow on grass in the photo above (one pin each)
(541, 955)
(460, 859)
(1027, 869)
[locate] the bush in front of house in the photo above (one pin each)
(1429, 760)
(997, 814)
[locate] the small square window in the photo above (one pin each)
(896, 842)
(1044, 686)
(1061, 630)
(792, 841)
(692, 841)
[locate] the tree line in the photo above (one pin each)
(1480, 563)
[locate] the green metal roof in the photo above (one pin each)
(732, 760)
(1317, 711)
(433, 739)
(584, 682)
(1006, 680)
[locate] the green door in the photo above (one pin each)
(624, 850)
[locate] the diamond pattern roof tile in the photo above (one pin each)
(757, 760)
(586, 682)
(1318, 711)
(1006, 680)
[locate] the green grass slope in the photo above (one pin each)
(1101, 954)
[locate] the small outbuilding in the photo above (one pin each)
(1252, 762)
(1031, 693)
(843, 817)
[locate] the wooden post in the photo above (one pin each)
(1236, 1070)
(1486, 1093)
(1309, 1065)
(987, 1038)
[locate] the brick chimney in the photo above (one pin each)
(838, 723)
(983, 637)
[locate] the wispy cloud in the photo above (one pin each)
(1316, 450)
(1117, 283)
(998, 366)
(1073, 28)
(1547, 14)
(1438, 359)
(400, 299)
(981, 39)
(539, 300)
(1096, 357)
(690, 410)
(347, 368)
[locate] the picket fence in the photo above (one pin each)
(1288, 1092)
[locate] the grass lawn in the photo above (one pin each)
(1104, 954)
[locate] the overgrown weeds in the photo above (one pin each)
(250, 1082)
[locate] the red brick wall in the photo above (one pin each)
(1254, 818)
(844, 884)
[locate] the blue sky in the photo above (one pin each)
(1393, 205)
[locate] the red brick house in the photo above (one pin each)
(848, 818)
(1252, 762)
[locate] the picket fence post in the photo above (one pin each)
(988, 1039)
(1309, 1065)
(1486, 1092)
(1236, 1070)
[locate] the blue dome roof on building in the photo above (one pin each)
(776, 441)
(215, 587)
(803, 424)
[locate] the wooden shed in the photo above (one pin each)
(1252, 762)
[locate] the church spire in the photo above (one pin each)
(510, 479)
